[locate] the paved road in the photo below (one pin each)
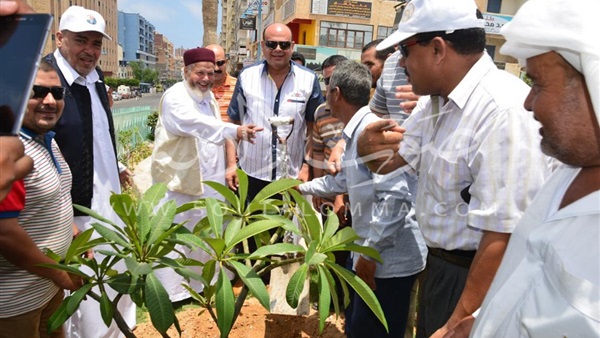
(151, 100)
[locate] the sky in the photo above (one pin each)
(179, 20)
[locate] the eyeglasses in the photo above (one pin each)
(220, 62)
(326, 80)
(423, 38)
(40, 92)
(284, 45)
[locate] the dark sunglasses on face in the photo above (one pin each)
(40, 92)
(284, 45)
(326, 80)
(220, 62)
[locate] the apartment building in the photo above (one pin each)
(136, 36)
(165, 57)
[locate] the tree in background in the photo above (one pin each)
(209, 18)
(142, 73)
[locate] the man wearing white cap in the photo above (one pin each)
(86, 137)
(548, 284)
(473, 146)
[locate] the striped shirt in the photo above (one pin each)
(256, 98)
(483, 141)
(223, 95)
(327, 131)
(47, 217)
(384, 101)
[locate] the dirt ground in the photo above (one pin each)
(253, 322)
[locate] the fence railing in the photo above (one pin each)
(131, 120)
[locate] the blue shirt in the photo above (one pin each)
(381, 206)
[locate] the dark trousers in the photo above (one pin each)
(393, 295)
(441, 286)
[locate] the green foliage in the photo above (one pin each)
(143, 73)
(151, 122)
(149, 234)
(116, 82)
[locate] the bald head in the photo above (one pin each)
(277, 29)
(218, 50)
(220, 64)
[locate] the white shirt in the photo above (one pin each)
(482, 138)
(548, 284)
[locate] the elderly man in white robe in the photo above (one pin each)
(548, 284)
(193, 145)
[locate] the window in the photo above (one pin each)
(384, 31)
(494, 6)
(342, 35)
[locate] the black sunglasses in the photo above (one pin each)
(40, 92)
(284, 45)
(220, 62)
(421, 38)
(326, 80)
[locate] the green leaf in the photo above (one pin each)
(276, 187)
(317, 259)
(232, 228)
(331, 225)
(74, 249)
(162, 221)
(296, 285)
(323, 272)
(94, 214)
(136, 268)
(189, 206)
(364, 250)
(53, 256)
(154, 194)
(325, 295)
(277, 249)
(224, 304)
(77, 297)
(343, 236)
(243, 187)
(215, 216)
(122, 283)
(158, 303)
(361, 289)
(111, 235)
(217, 244)
(123, 206)
(263, 207)
(226, 193)
(311, 220)
(138, 297)
(190, 239)
(106, 309)
(252, 230)
(208, 271)
(59, 317)
(67, 268)
(143, 222)
(254, 283)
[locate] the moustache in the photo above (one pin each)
(218, 71)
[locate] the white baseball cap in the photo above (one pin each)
(422, 16)
(78, 19)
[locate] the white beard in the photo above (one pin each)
(197, 94)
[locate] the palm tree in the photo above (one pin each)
(210, 13)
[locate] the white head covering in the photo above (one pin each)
(566, 27)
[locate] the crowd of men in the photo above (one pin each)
(484, 190)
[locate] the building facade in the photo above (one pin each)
(165, 57)
(107, 8)
(136, 36)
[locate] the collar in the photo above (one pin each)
(355, 122)
(43, 139)
(265, 65)
(587, 205)
(71, 75)
(460, 95)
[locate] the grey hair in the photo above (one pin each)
(354, 81)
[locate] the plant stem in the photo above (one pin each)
(121, 324)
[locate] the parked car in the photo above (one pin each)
(116, 96)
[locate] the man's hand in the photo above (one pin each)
(125, 178)
(365, 269)
(410, 99)
(304, 173)
(9, 7)
(68, 281)
(248, 132)
(339, 208)
(14, 164)
(231, 178)
(334, 163)
(378, 146)
(462, 329)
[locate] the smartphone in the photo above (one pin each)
(22, 41)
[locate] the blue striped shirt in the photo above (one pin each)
(256, 98)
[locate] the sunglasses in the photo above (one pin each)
(284, 45)
(220, 62)
(40, 92)
(423, 38)
(326, 80)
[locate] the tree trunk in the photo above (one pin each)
(210, 14)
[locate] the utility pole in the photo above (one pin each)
(259, 30)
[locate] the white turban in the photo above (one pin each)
(567, 27)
